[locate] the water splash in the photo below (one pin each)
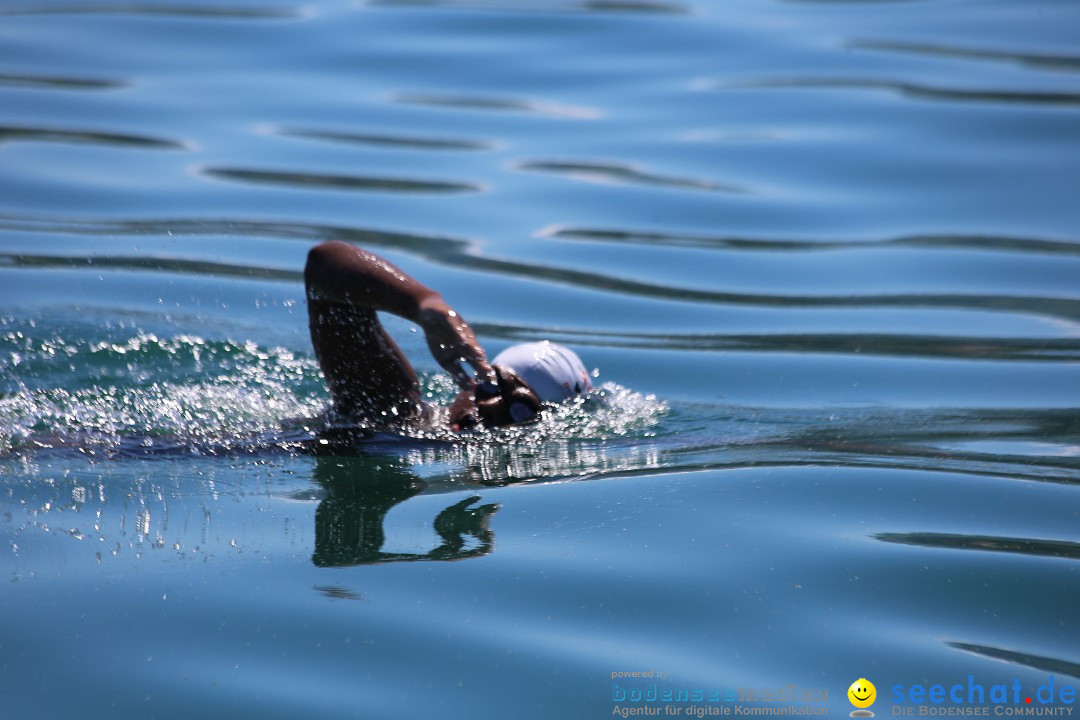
(120, 390)
(72, 389)
(125, 390)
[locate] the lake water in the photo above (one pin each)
(825, 257)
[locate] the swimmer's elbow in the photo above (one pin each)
(323, 256)
(324, 262)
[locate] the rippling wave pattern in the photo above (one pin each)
(823, 255)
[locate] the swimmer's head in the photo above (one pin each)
(506, 400)
(526, 377)
(553, 372)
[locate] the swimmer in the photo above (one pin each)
(371, 380)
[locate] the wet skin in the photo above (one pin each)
(369, 378)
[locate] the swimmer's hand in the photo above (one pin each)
(452, 342)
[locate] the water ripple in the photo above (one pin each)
(358, 183)
(1069, 63)
(886, 344)
(59, 82)
(907, 89)
(388, 140)
(421, 244)
(152, 264)
(873, 438)
(466, 255)
(592, 6)
(498, 104)
(706, 242)
(225, 12)
(987, 543)
(12, 133)
(1039, 662)
(621, 174)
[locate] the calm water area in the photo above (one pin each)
(824, 258)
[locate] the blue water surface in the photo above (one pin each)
(824, 257)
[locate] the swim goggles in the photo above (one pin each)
(521, 403)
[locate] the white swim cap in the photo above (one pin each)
(554, 373)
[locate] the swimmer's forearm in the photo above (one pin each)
(338, 272)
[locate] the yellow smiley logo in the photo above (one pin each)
(862, 693)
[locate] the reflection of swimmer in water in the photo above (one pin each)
(371, 380)
(361, 491)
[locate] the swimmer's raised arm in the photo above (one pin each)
(338, 273)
